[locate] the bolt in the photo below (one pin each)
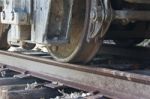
(13, 16)
(125, 22)
(3, 15)
(54, 48)
(93, 15)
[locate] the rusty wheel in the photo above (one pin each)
(81, 48)
(3, 37)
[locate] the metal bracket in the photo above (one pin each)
(54, 85)
(22, 76)
(48, 26)
(17, 18)
(100, 18)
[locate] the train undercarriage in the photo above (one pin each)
(73, 30)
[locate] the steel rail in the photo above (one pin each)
(111, 83)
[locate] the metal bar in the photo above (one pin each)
(140, 53)
(109, 82)
(138, 1)
(128, 34)
(132, 15)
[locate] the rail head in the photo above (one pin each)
(82, 77)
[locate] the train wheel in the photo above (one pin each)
(79, 49)
(3, 37)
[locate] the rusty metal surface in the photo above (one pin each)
(109, 82)
(76, 50)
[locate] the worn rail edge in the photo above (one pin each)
(111, 83)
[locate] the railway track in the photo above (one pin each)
(27, 76)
